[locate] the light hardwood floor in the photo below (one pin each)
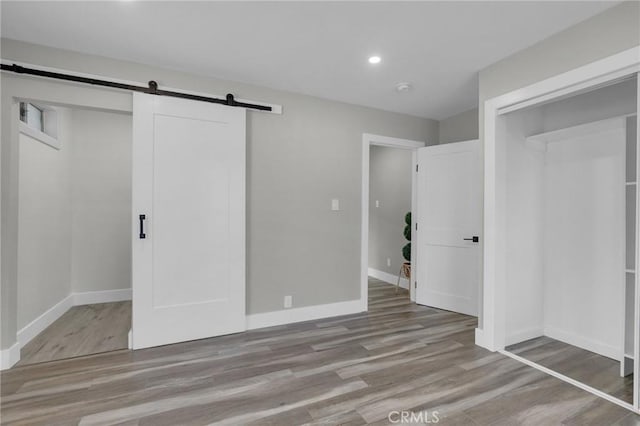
(82, 330)
(587, 367)
(347, 370)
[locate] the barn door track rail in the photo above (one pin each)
(152, 89)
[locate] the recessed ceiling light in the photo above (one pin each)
(403, 87)
(374, 59)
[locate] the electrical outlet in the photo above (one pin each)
(335, 204)
(388, 262)
(288, 301)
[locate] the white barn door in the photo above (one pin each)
(188, 220)
(449, 224)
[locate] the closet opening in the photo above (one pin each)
(74, 231)
(571, 240)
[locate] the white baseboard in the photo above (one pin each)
(523, 335)
(584, 343)
(35, 327)
(9, 357)
(307, 313)
(254, 321)
(388, 278)
(106, 296)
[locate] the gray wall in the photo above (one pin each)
(614, 30)
(606, 102)
(101, 201)
(460, 127)
(390, 184)
(297, 162)
(44, 245)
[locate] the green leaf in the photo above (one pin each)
(407, 232)
(406, 252)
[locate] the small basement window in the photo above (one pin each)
(40, 123)
(32, 116)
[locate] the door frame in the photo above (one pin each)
(491, 333)
(369, 140)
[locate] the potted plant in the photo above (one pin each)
(405, 269)
(406, 250)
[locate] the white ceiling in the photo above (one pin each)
(316, 48)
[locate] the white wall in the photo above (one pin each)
(75, 207)
(585, 190)
(584, 233)
(44, 245)
(525, 268)
(390, 184)
(101, 200)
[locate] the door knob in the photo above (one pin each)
(475, 239)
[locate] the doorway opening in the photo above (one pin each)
(74, 231)
(386, 199)
(390, 189)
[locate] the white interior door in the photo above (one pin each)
(449, 219)
(189, 249)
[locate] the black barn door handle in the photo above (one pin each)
(142, 217)
(475, 239)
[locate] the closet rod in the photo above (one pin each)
(152, 89)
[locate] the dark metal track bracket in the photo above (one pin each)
(152, 89)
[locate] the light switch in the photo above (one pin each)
(335, 204)
(377, 203)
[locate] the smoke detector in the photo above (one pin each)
(403, 87)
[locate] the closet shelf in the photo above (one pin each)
(630, 271)
(630, 183)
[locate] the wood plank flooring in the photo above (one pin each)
(349, 370)
(82, 330)
(587, 367)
